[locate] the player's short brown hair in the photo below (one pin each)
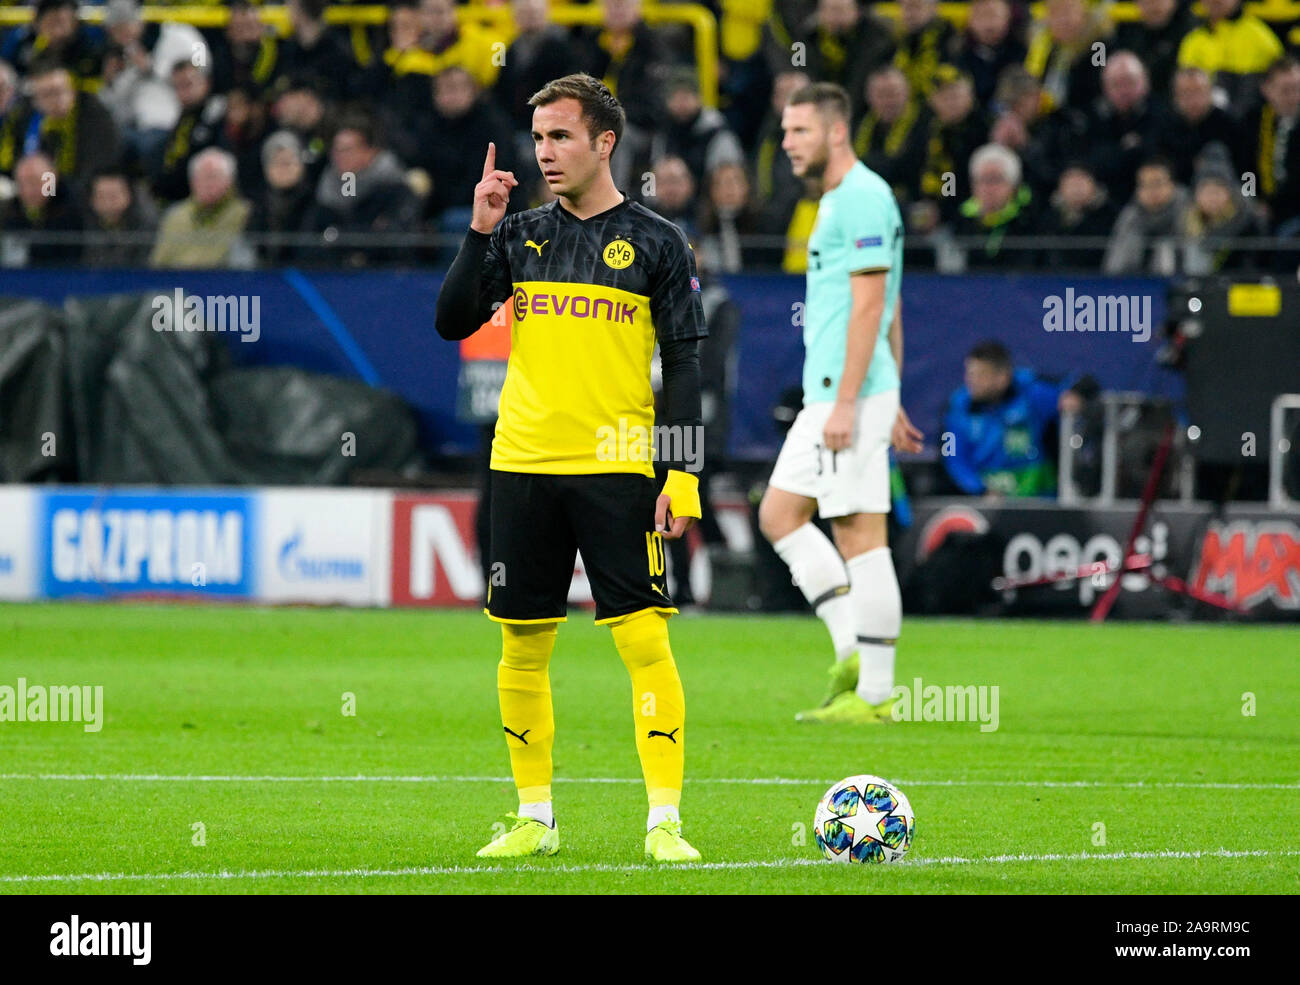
(600, 110)
(831, 100)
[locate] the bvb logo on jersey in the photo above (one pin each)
(618, 253)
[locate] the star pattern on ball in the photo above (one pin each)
(866, 825)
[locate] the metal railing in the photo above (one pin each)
(1123, 414)
(1280, 451)
(1270, 253)
(1273, 11)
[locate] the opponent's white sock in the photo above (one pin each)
(878, 609)
(658, 815)
(539, 810)
(818, 570)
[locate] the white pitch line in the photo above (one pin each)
(746, 781)
(447, 870)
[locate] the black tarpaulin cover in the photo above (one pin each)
(131, 404)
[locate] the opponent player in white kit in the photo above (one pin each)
(836, 456)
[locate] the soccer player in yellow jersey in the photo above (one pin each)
(594, 280)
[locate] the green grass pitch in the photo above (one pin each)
(230, 717)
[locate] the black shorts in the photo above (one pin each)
(540, 522)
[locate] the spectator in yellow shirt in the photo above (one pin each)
(447, 42)
(1233, 48)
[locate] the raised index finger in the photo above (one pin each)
(490, 162)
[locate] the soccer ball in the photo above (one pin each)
(864, 819)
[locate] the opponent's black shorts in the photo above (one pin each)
(540, 522)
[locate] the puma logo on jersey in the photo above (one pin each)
(659, 590)
(518, 735)
(537, 246)
(666, 735)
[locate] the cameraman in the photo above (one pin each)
(1000, 426)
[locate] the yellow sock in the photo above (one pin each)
(524, 687)
(658, 705)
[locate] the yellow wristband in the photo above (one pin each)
(683, 492)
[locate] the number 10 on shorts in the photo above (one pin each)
(654, 548)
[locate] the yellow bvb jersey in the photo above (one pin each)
(589, 297)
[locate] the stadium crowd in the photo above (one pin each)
(1147, 146)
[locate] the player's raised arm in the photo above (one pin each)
(491, 194)
(480, 274)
